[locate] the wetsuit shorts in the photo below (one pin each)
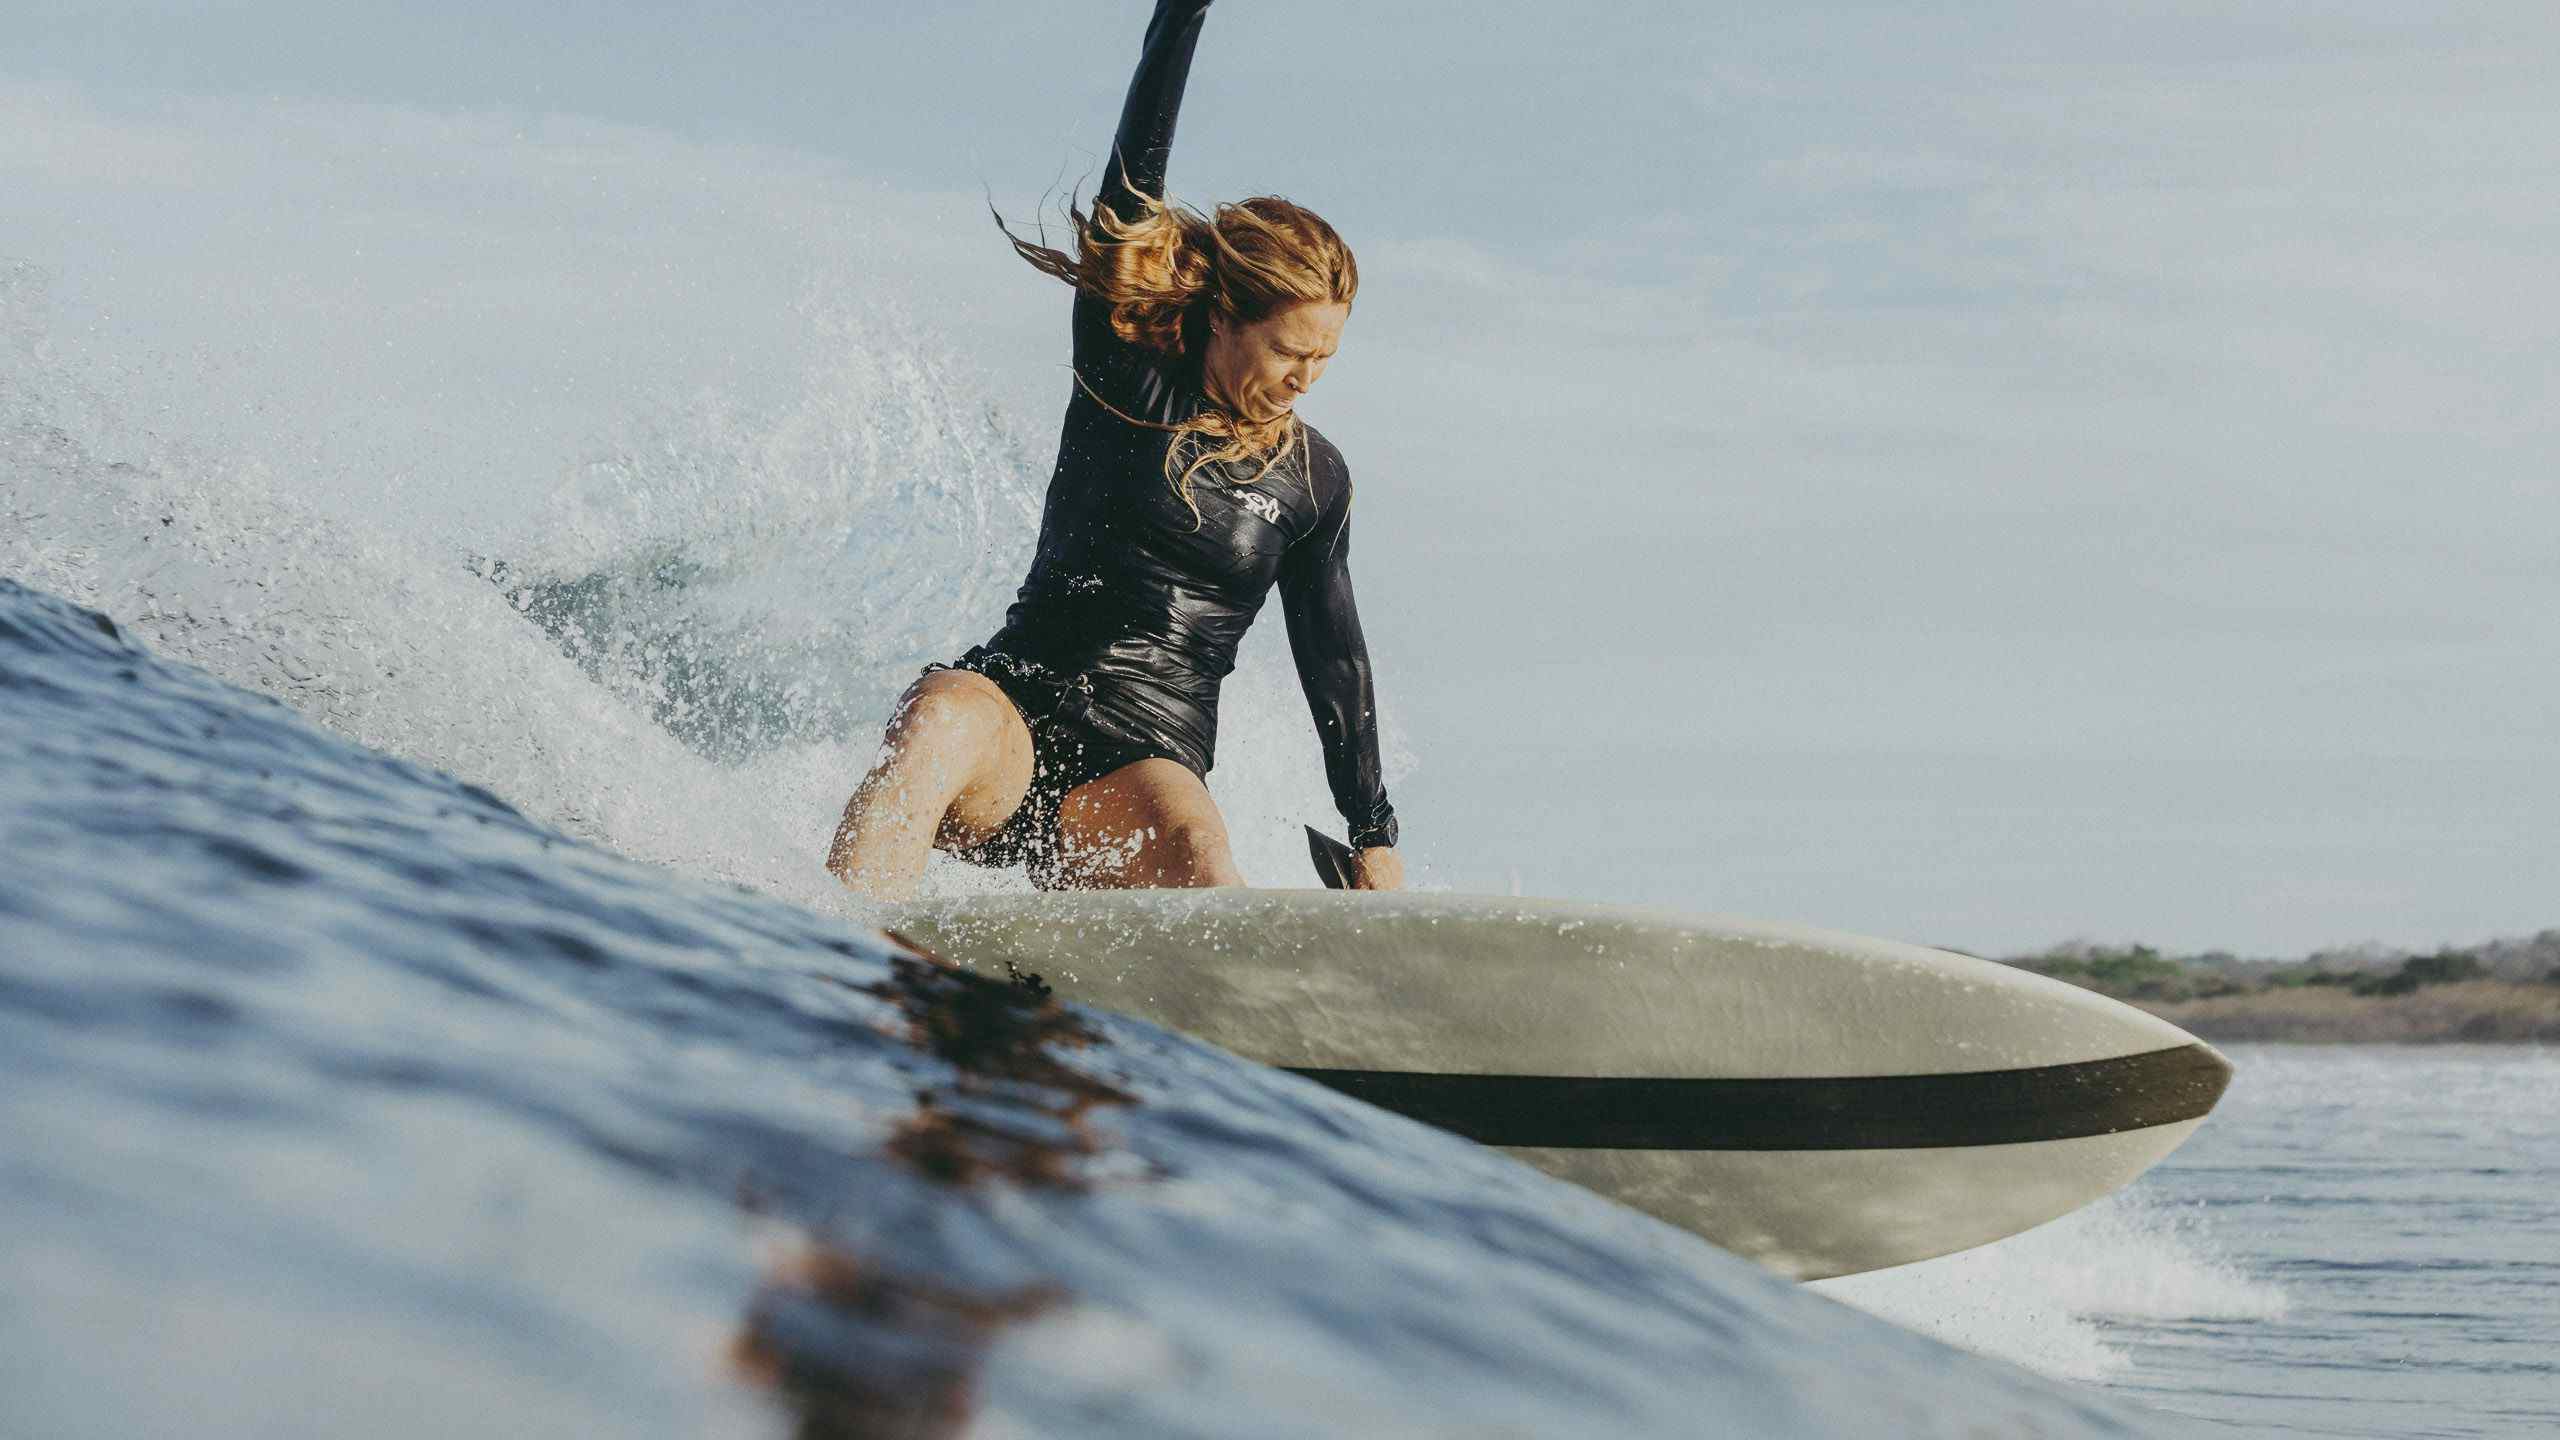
(1069, 747)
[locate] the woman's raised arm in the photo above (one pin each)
(1144, 143)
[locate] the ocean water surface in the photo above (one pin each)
(2363, 1241)
(2405, 1203)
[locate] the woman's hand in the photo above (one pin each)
(1377, 868)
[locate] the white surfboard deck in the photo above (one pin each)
(1820, 1102)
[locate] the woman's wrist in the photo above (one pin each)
(1377, 868)
(1379, 834)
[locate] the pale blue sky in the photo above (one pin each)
(1980, 477)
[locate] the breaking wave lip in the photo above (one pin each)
(755, 577)
(452, 1117)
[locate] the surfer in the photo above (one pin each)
(1075, 741)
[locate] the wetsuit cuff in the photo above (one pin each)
(1377, 833)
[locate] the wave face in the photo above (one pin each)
(338, 1094)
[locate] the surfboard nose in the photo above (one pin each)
(2223, 1070)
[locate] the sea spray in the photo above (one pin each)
(685, 648)
(2044, 1299)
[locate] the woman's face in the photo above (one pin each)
(1259, 370)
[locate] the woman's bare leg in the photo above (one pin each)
(954, 765)
(1150, 823)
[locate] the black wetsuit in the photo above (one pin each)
(1115, 645)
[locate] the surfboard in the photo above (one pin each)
(1822, 1103)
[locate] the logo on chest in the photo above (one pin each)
(1260, 504)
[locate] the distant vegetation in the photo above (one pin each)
(2502, 990)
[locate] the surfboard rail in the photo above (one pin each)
(1819, 1101)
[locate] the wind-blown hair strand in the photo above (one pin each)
(1168, 270)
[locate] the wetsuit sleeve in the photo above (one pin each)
(1333, 666)
(1132, 376)
(1143, 145)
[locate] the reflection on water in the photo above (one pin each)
(859, 1350)
(861, 1353)
(1013, 1110)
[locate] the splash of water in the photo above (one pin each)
(2044, 1299)
(685, 650)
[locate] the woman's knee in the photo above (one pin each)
(1148, 823)
(1194, 850)
(956, 742)
(948, 705)
(942, 725)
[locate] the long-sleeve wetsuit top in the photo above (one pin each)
(1148, 600)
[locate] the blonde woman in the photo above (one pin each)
(1076, 740)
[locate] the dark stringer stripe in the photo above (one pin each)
(1853, 1112)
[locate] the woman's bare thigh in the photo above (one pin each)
(1149, 823)
(960, 727)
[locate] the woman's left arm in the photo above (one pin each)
(1333, 667)
(1143, 145)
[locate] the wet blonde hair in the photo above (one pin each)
(1167, 273)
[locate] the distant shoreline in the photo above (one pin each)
(2495, 992)
(2467, 1012)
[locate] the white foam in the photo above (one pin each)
(2045, 1299)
